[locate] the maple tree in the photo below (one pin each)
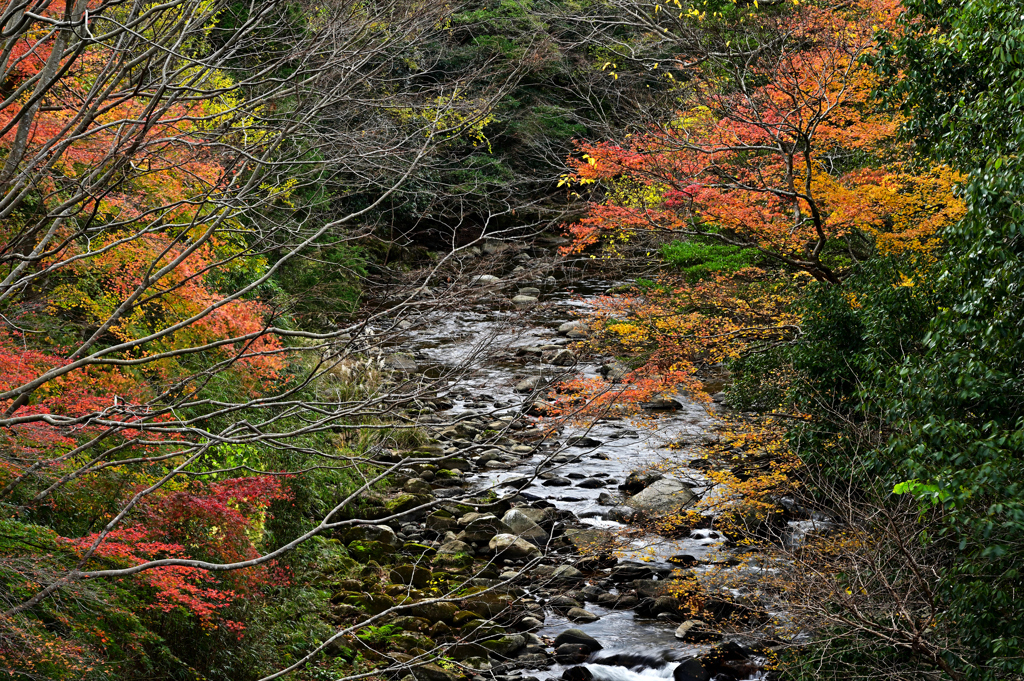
(776, 146)
(777, 150)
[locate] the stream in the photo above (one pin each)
(489, 341)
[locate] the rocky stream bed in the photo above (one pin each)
(557, 578)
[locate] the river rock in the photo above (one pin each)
(506, 645)
(581, 615)
(638, 481)
(402, 362)
(730, 660)
(690, 670)
(530, 624)
(561, 358)
(381, 533)
(661, 404)
(664, 496)
(650, 588)
(696, 631)
(577, 674)
(578, 637)
(591, 483)
(512, 547)
(563, 602)
(622, 514)
(583, 441)
(570, 326)
(529, 291)
(524, 527)
(557, 482)
(567, 573)
(683, 560)
(417, 486)
(482, 529)
(486, 280)
(571, 653)
(614, 372)
(528, 385)
(606, 499)
(628, 572)
(525, 300)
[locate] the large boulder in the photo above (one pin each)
(435, 612)
(695, 631)
(512, 547)
(571, 653)
(663, 497)
(521, 525)
(581, 615)
(638, 481)
(690, 670)
(483, 528)
(562, 358)
(417, 486)
(382, 534)
(506, 645)
(580, 637)
(528, 385)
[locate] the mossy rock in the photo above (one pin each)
(405, 502)
(441, 630)
(477, 629)
(350, 585)
(435, 612)
(344, 596)
(457, 464)
(463, 616)
(505, 646)
(339, 564)
(456, 560)
(417, 549)
(409, 640)
(365, 550)
(464, 651)
(442, 523)
(488, 605)
(411, 574)
(410, 623)
(346, 611)
(376, 603)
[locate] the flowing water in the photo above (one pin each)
(484, 338)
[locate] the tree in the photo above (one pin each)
(163, 166)
(774, 159)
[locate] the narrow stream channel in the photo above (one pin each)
(616, 447)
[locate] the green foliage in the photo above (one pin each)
(699, 260)
(960, 403)
(324, 284)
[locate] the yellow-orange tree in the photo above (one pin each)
(775, 163)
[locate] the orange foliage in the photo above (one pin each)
(786, 167)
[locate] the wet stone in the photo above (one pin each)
(581, 615)
(578, 637)
(571, 653)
